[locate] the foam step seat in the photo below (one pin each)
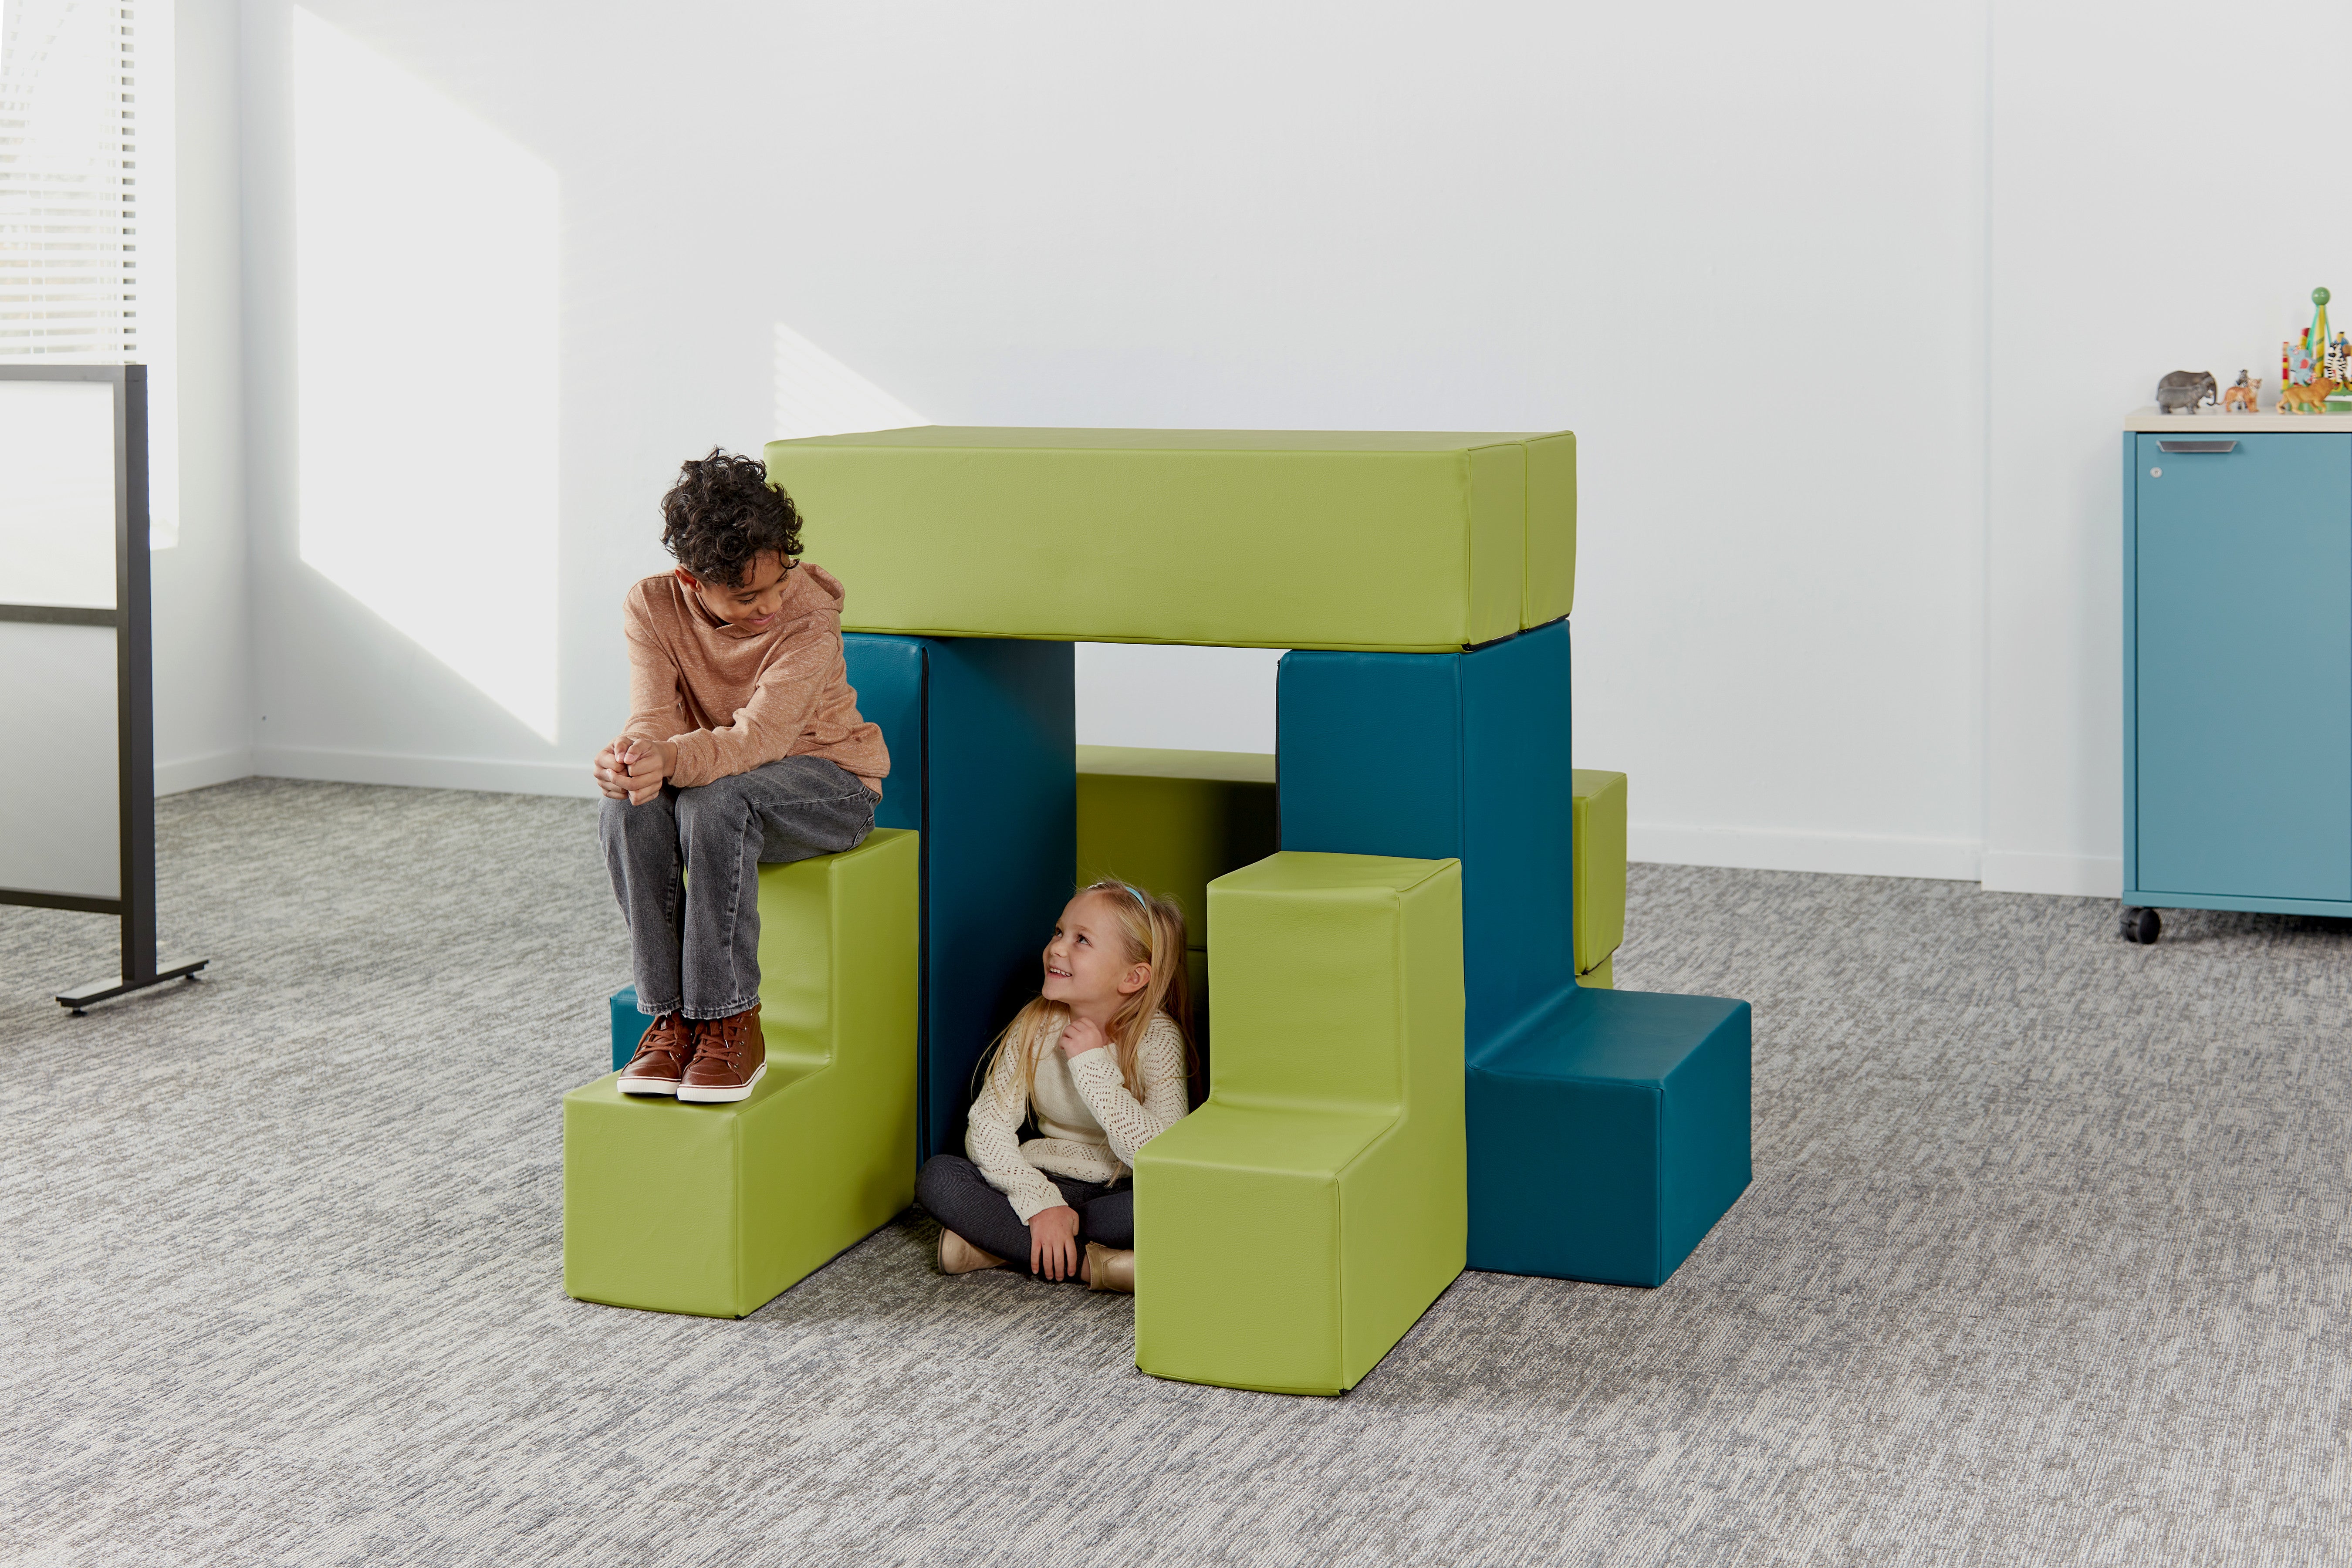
(1597, 808)
(714, 1209)
(1291, 1230)
(1608, 1135)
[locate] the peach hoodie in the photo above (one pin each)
(730, 699)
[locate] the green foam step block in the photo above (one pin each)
(1291, 1230)
(714, 1209)
(1285, 539)
(1598, 807)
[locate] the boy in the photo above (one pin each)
(744, 745)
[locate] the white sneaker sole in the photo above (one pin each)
(648, 1086)
(722, 1096)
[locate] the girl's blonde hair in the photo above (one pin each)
(1154, 929)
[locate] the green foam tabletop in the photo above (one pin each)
(713, 1209)
(1293, 1228)
(1376, 539)
(1598, 864)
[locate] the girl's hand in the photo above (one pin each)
(1054, 1243)
(1081, 1036)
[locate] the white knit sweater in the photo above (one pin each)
(1092, 1126)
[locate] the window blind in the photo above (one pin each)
(86, 247)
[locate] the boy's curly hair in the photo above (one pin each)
(722, 512)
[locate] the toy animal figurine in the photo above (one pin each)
(2243, 397)
(2187, 391)
(2310, 399)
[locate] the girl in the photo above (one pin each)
(1102, 1058)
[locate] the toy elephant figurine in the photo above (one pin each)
(2187, 391)
(2245, 397)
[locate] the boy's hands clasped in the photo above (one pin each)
(633, 770)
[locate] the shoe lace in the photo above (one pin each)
(725, 1038)
(669, 1034)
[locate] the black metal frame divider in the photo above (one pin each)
(135, 700)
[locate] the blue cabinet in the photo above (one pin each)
(2238, 670)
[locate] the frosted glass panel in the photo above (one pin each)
(60, 828)
(56, 498)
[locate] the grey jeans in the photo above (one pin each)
(686, 867)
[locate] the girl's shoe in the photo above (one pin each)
(1110, 1270)
(957, 1255)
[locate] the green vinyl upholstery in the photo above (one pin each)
(1372, 540)
(1293, 1228)
(713, 1209)
(1597, 804)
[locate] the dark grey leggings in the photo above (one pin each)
(959, 1197)
(686, 867)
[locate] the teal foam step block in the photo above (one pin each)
(629, 1025)
(1608, 1135)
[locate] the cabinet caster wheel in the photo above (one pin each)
(2141, 925)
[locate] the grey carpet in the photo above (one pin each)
(2046, 1261)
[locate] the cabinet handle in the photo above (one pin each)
(2196, 446)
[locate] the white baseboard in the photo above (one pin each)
(424, 773)
(1767, 849)
(202, 773)
(2079, 876)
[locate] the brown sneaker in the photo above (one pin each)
(661, 1058)
(730, 1055)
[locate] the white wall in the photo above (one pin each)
(1844, 301)
(204, 669)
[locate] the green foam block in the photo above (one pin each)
(1377, 540)
(1293, 1228)
(713, 1209)
(1598, 805)
(1174, 821)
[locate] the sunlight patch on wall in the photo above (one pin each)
(426, 256)
(816, 395)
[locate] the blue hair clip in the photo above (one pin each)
(1139, 898)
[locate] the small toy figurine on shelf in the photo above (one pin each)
(2311, 399)
(2312, 367)
(2244, 396)
(2185, 392)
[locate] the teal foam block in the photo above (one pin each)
(1608, 1133)
(1616, 1129)
(983, 748)
(629, 1025)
